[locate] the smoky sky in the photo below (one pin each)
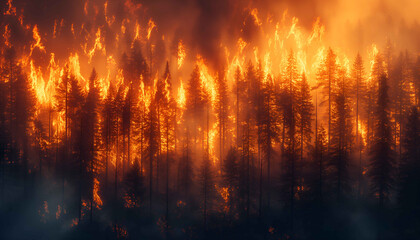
(204, 24)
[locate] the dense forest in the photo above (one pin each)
(311, 142)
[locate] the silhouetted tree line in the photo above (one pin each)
(270, 158)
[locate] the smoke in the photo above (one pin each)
(351, 26)
(354, 25)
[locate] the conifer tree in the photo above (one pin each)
(134, 185)
(327, 78)
(108, 128)
(341, 137)
(222, 111)
(409, 179)
(304, 111)
(21, 109)
(382, 152)
(90, 139)
(207, 187)
(230, 176)
(359, 93)
(290, 173)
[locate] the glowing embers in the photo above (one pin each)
(96, 198)
(363, 133)
(44, 212)
(224, 193)
(6, 36)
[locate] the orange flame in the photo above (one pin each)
(254, 13)
(10, 9)
(98, 46)
(96, 198)
(151, 25)
(6, 36)
(37, 39)
(181, 54)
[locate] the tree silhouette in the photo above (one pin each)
(327, 79)
(341, 137)
(359, 91)
(21, 102)
(400, 79)
(290, 174)
(108, 128)
(134, 185)
(382, 152)
(304, 111)
(90, 139)
(230, 177)
(408, 189)
(222, 111)
(152, 149)
(207, 187)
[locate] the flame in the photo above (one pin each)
(74, 65)
(38, 84)
(212, 143)
(365, 170)
(181, 204)
(10, 9)
(362, 131)
(55, 29)
(207, 80)
(6, 36)
(58, 213)
(151, 25)
(98, 46)
(128, 202)
(372, 56)
(93, 49)
(37, 39)
(272, 56)
(54, 75)
(109, 20)
(181, 54)
(254, 13)
(267, 66)
(181, 100)
(317, 31)
(137, 31)
(44, 212)
(241, 45)
(74, 222)
(121, 231)
(224, 192)
(96, 198)
(85, 7)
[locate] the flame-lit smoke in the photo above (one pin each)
(218, 37)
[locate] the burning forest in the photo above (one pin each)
(197, 119)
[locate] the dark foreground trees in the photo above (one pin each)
(130, 160)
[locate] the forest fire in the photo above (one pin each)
(194, 119)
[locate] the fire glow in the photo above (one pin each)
(221, 109)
